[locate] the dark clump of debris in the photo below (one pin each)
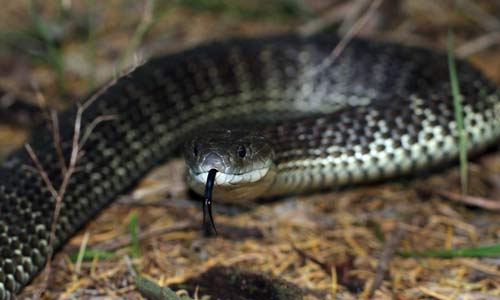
(226, 283)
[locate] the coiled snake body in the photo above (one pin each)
(379, 110)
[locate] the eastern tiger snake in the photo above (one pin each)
(380, 110)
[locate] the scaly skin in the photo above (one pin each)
(390, 114)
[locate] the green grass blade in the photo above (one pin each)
(53, 55)
(275, 11)
(482, 251)
(459, 116)
(90, 254)
(92, 44)
(132, 226)
(146, 23)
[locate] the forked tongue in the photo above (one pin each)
(207, 203)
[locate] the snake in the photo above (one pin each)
(267, 113)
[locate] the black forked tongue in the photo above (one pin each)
(207, 203)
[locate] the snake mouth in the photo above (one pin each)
(231, 179)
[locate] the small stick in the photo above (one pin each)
(346, 39)
(385, 259)
(485, 203)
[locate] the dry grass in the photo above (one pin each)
(325, 243)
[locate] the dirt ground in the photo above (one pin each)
(334, 245)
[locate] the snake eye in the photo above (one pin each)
(241, 151)
(195, 150)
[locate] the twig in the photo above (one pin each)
(53, 126)
(99, 92)
(353, 15)
(340, 272)
(122, 241)
(41, 170)
(326, 267)
(90, 128)
(489, 204)
(344, 41)
(105, 87)
(332, 16)
(385, 259)
(478, 44)
(59, 194)
(67, 170)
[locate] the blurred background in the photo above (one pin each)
(69, 46)
(64, 49)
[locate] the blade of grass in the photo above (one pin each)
(53, 55)
(90, 254)
(132, 227)
(275, 11)
(147, 21)
(459, 118)
(92, 44)
(483, 251)
(81, 252)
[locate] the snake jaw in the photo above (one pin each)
(234, 187)
(227, 179)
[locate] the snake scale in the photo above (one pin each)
(380, 110)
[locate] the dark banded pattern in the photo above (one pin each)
(379, 110)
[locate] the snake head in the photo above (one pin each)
(243, 160)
